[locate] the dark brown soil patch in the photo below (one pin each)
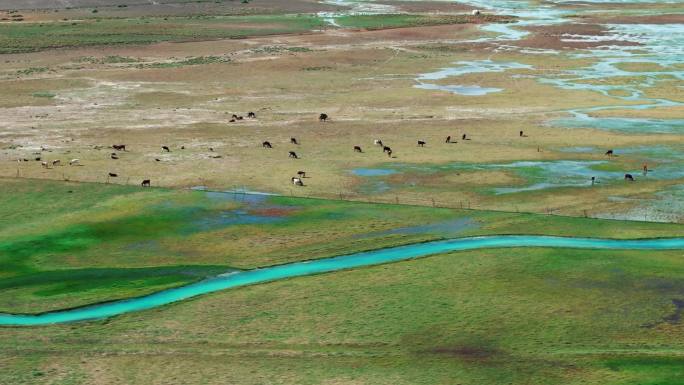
(585, 5)
(651, 19)
(553, 36)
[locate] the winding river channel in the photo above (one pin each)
(326, 265)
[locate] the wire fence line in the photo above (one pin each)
(652, 215)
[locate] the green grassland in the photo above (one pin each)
(27, 37)
(384, 21)
(37, 36)
(511, 316)
(65, 244)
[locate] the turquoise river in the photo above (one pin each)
(325, 265)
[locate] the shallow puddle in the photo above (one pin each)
(426, 80)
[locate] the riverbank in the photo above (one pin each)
(607, 316)
(91, 243)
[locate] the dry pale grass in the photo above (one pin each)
(362, 79)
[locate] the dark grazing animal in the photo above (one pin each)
(629, 177)
(609, 153)
(448, 139)
(119, 147)
(464, 137)
(293, 154)
(166, 148)
(294, 141)
(301, 174)
(266, 144)
(421, 143)
(386, 149)
(357, 149)
(114, 156)
(323, 117)
(145, 183)
(113, 175)
(251, 115)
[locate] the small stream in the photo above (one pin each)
(327, 265)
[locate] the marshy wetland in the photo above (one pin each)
(515, 252)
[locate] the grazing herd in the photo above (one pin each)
(234, 118)
(299, 179)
